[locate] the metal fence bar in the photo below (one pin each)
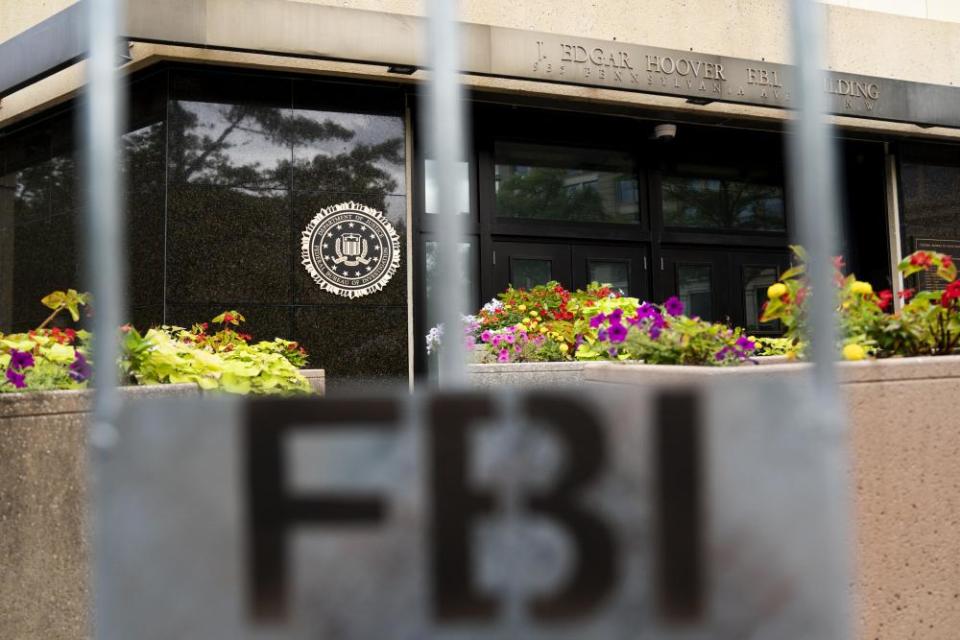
(445, 144)
(101, 120)
(813, 176)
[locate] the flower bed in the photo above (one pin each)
(550, 324)
(225, 360)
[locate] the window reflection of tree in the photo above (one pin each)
(545, 193)
(722, 204)
(196, 155)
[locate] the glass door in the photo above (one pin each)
(623, 268)
(697, 278)
(527, 264)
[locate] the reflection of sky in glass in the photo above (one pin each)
(248, 146)
(462, 185)
(368, 129)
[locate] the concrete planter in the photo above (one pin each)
(44, 592)
(43, 536)
(526, 374)
(905, 445)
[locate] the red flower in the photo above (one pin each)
(838, 263)
(951, 293)
(885, 297)
(946, 261)
(801, 295)
(906, 294)
(228, 318)
(921, 259)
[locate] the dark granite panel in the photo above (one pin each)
(231, 129)
(145, 247)
(306, 206)
(264, 322)
(354, 342)
(46, 258)
(228, 244)
(146, 316)
(31, 192)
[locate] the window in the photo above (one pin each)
(565, 183)
(706, 198)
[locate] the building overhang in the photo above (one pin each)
(303, 30)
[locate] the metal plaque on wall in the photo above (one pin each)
(350, 250)
(474, 516)
(929, 280)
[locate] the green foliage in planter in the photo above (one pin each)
(223, 361)
(226, 360)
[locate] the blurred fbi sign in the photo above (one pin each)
(458, 515)
(456, 505)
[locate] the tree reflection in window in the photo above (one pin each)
(722, 203)
(257, 146)
(565, 183)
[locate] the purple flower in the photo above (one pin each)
(617, 332)
(16, 379)
(616, 315)
(504, 356)
(485, 336)
(655, 332)
(602, 335)
(673, 306)
(597, 320)
(80, 369)
(509, 338)
(720, 355)
(612, 351)
(746, 344)
(20, 360)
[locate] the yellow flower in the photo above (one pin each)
(861, 288)
(526, 321)
(534, 313)
(543, 329)
(776, 291)
(564, 347)
(522, 307)
(854, 352)
(845, 305)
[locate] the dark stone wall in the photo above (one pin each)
(224, 169)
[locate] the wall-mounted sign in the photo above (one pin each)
(350, 250)
(705, 78)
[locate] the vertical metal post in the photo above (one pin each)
(101, 122)
(813, 175)
(445, 144)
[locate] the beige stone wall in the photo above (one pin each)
(19, 15)
(867, 42)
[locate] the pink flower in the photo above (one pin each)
(504, 356)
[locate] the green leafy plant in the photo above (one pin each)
(222, 361)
